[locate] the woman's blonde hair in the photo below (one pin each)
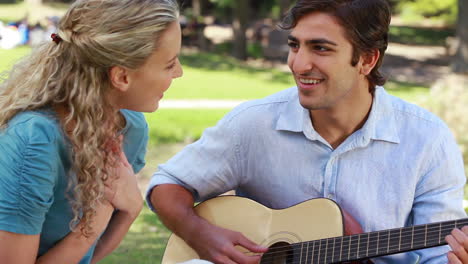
(96, 35)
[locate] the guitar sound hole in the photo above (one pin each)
(279, 253)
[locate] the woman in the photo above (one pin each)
(70, 142)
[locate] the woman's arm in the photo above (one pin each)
(23, 249)
(125, 195)
(115, 232)
(74, 246)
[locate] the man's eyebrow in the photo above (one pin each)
(313, 41)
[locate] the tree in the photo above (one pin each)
(460, 61)
(240, 23)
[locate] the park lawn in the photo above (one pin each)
(35, 13)
(211, 76)
(144, 243)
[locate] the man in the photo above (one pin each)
(337, 135)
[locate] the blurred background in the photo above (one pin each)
(233, 51)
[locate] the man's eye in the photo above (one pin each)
(293, 45)
(320, 48)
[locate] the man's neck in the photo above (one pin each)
(337, 123)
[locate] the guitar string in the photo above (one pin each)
(349, 245)
(429, 230)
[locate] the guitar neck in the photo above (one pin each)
(374, 244)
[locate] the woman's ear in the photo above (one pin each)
(369, 61)
(119, 78)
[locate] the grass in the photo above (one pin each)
(181, 125)
(143, 244)
(35, 13)
(9, 57)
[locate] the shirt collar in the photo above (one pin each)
(380, 125)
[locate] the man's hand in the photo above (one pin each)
(218, 245)
(458, 241)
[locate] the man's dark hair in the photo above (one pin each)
(366, 24)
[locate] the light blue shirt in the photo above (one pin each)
(35, 166)
(402, 168)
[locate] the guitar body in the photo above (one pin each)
(264, 226)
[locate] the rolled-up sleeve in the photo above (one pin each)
(207, 167)
(439, 194)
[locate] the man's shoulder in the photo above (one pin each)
(410, 113)
(269, 106)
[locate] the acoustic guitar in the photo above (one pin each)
(313, 231)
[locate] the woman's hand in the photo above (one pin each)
(122, 189)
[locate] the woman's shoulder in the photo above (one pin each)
(33, 125)
(134, 119)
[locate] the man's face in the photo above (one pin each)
(320, 60)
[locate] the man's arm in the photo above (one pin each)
(174, 205)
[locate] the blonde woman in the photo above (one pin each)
(70, 141)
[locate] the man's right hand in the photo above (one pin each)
(174, 205)
(218, 245)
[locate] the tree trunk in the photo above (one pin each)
(241, 14)
(284, 6)
(196, 4)
(460, 61)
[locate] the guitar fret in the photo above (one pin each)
(399, 241)
(333, 253)
(425, 235)
(341, 248)
(368, 241)
(388, 242)
(395, 241)
(319, 249)
(300, 258)
(412, 236)
(373, 244)
(419, 234)
(406, 241)
(363, 245)
(326, 250)
(354, 244)
(358, 244)
(313, 253)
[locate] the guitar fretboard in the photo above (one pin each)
(373, 244)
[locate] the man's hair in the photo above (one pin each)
(365, 22)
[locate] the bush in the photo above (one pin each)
(449, 102)
(445, 11)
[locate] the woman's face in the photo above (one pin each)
(148, 83)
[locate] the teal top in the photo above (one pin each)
(34, 167)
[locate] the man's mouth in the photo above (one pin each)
(310, 81)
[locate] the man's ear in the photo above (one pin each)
(368, 61)
(119, 78)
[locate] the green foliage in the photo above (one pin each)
(442, 10)
(449, 97)
(420, 36)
